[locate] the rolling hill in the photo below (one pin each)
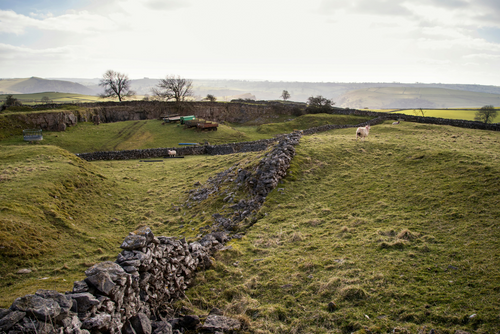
(39, 85)
(352, 95)
(416, 97)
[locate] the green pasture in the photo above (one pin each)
(397, 233)
(381, 97)
(87, 137)
(400, 232)
(465, 113)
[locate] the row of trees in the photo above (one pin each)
(116, 84)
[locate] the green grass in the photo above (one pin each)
(87, 137)
(380, 97)
(60, 214)
(399, 231)
(464, 113)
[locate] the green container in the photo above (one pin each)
(186, 118)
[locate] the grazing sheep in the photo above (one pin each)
(395, 123)
(172, 153)
(362, 132)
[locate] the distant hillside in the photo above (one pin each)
(415, 97)
(269, 90)
(38, 85)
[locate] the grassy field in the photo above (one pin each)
(87, 137)
(403, 97)
(397, 232)
(464, 113)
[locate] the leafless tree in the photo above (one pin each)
(173, 87)
(116, 84)
(419, 112)
(486, 114)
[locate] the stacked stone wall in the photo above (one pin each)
(251, 146)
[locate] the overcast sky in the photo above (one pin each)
(430, 41)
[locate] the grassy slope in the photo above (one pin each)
(60, 214)
(399, 231)
(86, 137)
(380, 96)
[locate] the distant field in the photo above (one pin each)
(463, 113)
(411, 97)
(36, 98)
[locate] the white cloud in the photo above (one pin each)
(10, 52)
(482, 56)
(166, 4)
(357, 40)
(82, 22)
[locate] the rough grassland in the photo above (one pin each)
(399, 231)
(60, 214)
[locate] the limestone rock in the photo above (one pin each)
(84, 302)
(10, 319)
(102, 281)
(112, 269)
(100, 322)
(43, 309)
(64, 301)
(141, 324)
(220, 323)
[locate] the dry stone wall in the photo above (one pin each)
(130, 296)
(419, 119)
(237, 112)
(251, 146)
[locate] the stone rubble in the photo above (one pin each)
(257, 183)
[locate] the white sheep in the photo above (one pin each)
(172, 153)
(395, 123)
(362, 132)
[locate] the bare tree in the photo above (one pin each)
(285, 95)
(45, 100)
(486, 114)
(419, 112)
(173, 87)
(116, 84)
(210, 98)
